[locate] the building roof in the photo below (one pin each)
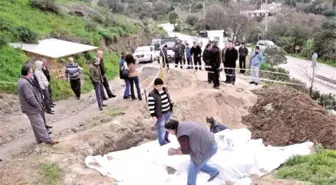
(54, 48)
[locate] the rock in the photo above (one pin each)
(74, 129)
(84, 11)
(170, 170)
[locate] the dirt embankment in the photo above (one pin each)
(194, 100)
(128, 43)
(284, 116)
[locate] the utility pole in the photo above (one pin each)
(204, 13)
(314, 60)
(266, 17)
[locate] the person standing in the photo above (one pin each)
(73, 75)
(178, 55)
(97, 81)
(133, 76)
(100, 55)
(231, 56)
(160, 106)
(255, 60)
(31, 105)
(43, 85)
(198, 142)
(189, 59)
(46, 72)
(206, 59)
(123, 74)
(164, 55)
(215, 64)
(243, 52)
(196, 52)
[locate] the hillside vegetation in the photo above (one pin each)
(30, 20)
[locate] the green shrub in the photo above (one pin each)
(307, 49)
(46, 5)
(287, 43)
(11, 61)
(26, 35)
(329, 13)
(192, 20)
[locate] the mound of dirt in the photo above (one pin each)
(194, 100)
(284, 116)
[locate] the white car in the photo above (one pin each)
(263, 44)
(144, 54)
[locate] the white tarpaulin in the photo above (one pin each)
(237, 158)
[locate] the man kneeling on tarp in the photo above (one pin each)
(199, 143)
(215, 126)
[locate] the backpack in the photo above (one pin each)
(123, 69)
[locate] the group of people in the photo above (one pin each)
(194, 139)
(213, 56)
(35, 98)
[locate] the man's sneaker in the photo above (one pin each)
(175, 66)
(255, 83)
(200, 68)
(126, 97)
(100, 108)
(252, 82)
(104, 105)
(213, 177)
(105, 98)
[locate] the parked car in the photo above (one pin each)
(144, 54)
(263, 44)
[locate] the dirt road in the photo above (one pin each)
(70, 116)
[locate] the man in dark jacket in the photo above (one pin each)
(164, 55)
(206, 59)
(161, 107)
(215, 64)
(46, 72)
(215, 126)
(32, 105)
(231, 56)
(198, 142)
(97, 81)
(100, 54)
(196, 52)
(179, 52)
(243, 52)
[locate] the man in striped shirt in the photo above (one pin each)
(161, 107)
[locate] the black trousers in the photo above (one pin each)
(107, 88)
(46, 99)
(50, 95)
(76, 87)
(216, 77)
(230, 75)
(197, 61)
(242, 64)
(178, 60)
(165, 62)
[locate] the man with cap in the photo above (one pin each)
(161, 107)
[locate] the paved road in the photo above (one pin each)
(299, 69)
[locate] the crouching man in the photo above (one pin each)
(161, 107)
(199, 143)
(215, 126)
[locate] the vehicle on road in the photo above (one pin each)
(144, 54)
(263, 44)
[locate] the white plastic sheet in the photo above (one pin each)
(237, 158)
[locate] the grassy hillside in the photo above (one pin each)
(19, 21)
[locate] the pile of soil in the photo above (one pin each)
(195, 100)
(284, 116)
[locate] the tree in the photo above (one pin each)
(173, 17)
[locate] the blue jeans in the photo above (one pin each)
(98, 90)
(162, 133)
(193, 169)
(127, 88)
(135, 81)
